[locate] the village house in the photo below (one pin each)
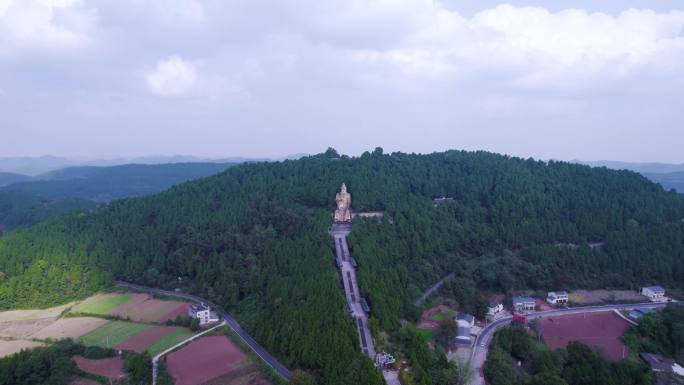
(557, 298)
(464, 323)
(639, 312)
(495, 307)
(521, 304)
(654, 293)
(203, 313)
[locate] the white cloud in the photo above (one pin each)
(44, 24)
(541, 46)
(172, 77)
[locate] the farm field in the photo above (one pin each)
(112, 367)
(169, 340)
(599, 330)
(209, 360)
(102, 304)
(33, 314)
(139, 307)
(14, 346)
(155, 339)
(112, 334)
(69, 328)
(590, 297)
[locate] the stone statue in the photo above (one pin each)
(343, 200)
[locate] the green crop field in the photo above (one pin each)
(169, 340)
(112, 334)
(102, 303)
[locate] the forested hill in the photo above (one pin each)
(254, 238)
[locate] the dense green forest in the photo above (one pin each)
(19, 209)
(577, 364)
(254, 238)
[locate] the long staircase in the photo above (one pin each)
(339, 233)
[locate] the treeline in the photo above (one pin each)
(577, 364)
(660, 333)
(53, 365)
(254, 239)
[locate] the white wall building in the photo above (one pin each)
(203, 313)
(521, 304)
(557, 297)
(654, 293)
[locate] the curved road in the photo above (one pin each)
(232, 323)
(479, 353)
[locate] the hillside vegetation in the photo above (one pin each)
(254, 239)
(28, 200)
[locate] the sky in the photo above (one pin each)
(545, 79)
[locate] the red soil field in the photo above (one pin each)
(180, 310)
(111, 368)
(204, 359)
(141, 341)
(145, 308)
(601, 330)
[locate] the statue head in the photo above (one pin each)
(344, 188)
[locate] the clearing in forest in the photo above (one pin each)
(112, 334)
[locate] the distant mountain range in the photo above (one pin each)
(670, 176)
(34, 166)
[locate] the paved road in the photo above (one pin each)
(479, 353)
(232, 323)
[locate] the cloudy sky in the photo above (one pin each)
(549, 79)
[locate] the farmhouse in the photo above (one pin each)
(203, 313)
(463, 324)
(654, 293)
(639, 312)
(557, 297)
(523, 304)
(495, 307)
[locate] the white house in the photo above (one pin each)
(557, 298)
(203, 313)
(523, 304)
(463, 324)
(654, 293)
(495, 308)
